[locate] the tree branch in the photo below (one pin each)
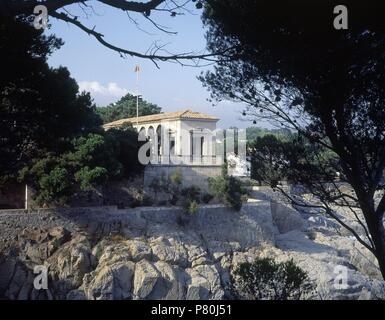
(329, 212)
(26, 7)
(133, 5)
(154, 57)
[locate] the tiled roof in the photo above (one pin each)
(184, 114)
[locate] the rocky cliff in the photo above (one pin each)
(164, 254)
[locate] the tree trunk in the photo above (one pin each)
(377, 231)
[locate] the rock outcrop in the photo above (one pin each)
(158, 255)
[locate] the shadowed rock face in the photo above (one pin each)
(152, 255)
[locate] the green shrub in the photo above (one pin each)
(170, 185)
(53, 185)
(190, 202)
(140, 199)
(265, 279)
(227, 189)
(176, 177)
(174, 185)
(88, 177)
(90, 161)
(190, 206)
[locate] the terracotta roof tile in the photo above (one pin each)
(184, 114)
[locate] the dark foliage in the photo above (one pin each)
(40, 107)
(293, 159)
(227, 189)
(294, 70)
(265, 279)
(91, 161)
(51, 137)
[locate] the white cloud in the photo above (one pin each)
(103, 94)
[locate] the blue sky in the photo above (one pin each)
(108, 76)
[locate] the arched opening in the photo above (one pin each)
(159, 143)
(151, 133)
(151, 138)
(142, 134)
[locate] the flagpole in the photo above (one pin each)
(137, 94)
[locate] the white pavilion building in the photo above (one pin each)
(188, 141)
(182, 137)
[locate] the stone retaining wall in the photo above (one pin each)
(13, 222)
(192, 175)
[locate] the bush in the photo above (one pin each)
(90, 161)
(170, 185)
(139, 198)
(191, 199)
(176, 177)
(265, 279)
(174, 185)
(227, 189)
(124, 145)
(53, 185)
(190, 206)
(87, 177)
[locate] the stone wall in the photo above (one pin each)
(13, 222)
(192, 175)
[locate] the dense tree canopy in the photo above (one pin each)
(266, 153)
(89, 161)
(51, 136)
(40, 106)
(293, 69)
(275, 158)
(126, 108)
